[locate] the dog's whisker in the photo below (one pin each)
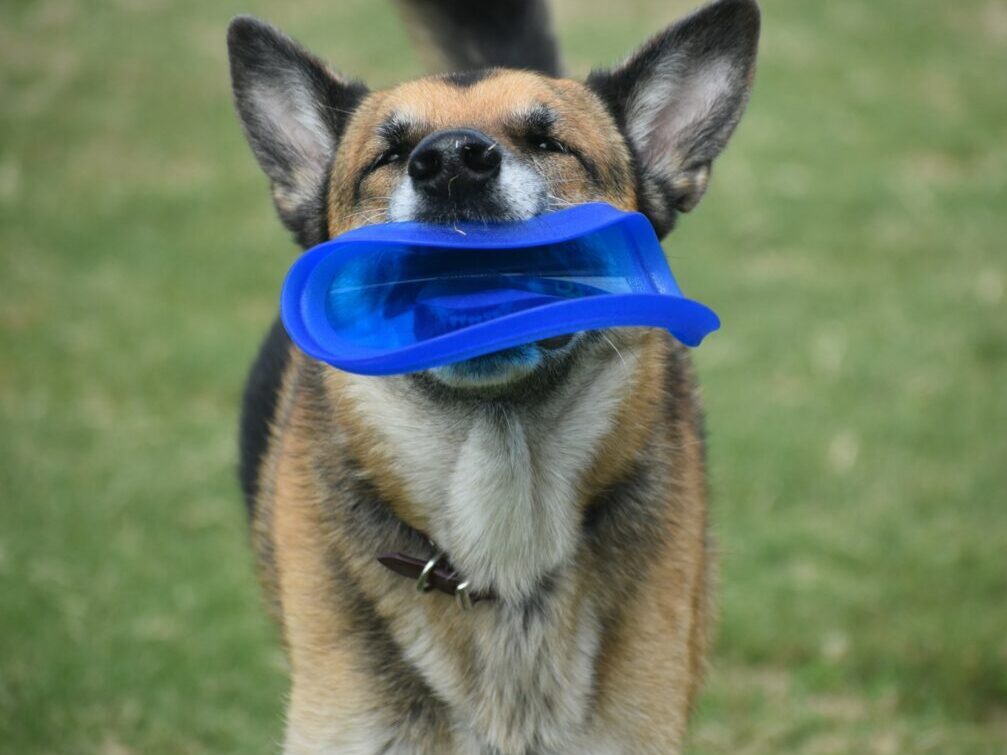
(618, 353)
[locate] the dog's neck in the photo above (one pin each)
(499, 486)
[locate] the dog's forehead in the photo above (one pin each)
(489, 100)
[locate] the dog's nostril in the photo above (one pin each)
(482, 158)
(425, 164)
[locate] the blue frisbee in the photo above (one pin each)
(402, 297)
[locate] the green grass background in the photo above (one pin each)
(853, 241)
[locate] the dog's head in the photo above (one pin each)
(496, 145)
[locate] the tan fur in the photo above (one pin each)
(328, 694)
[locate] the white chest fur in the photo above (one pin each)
(499, 490)
(498, 486)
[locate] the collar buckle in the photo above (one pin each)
(423, 580)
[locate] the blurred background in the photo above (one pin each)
(853, 241)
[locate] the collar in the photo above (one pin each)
(435, 573)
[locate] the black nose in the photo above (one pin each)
(447, 164)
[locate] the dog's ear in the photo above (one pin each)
(293, 110)
(679, 97)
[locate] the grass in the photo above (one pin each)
(853, 241)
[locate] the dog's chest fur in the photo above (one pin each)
(499, 489)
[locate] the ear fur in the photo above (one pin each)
(293, 110)
(678, 99)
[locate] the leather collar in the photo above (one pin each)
(435, 573)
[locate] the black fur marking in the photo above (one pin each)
(540, 121)
(466, 79)
(534, 607)
(370, 518)
(309, 221)
(258, 408)
(395, 130)
(473, 34)
(620, 514)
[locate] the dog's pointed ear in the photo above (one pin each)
(679, 97)
(293, 110)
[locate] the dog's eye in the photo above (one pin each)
(548, 144)
(389, 156)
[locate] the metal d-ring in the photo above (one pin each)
(423, 581)
(463, 597)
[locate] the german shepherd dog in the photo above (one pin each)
(556, 490)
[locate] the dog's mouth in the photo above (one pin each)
(507, 368)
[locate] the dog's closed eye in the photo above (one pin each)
(536, 129)
(547, 144)
(391, 155)
(398, 136)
